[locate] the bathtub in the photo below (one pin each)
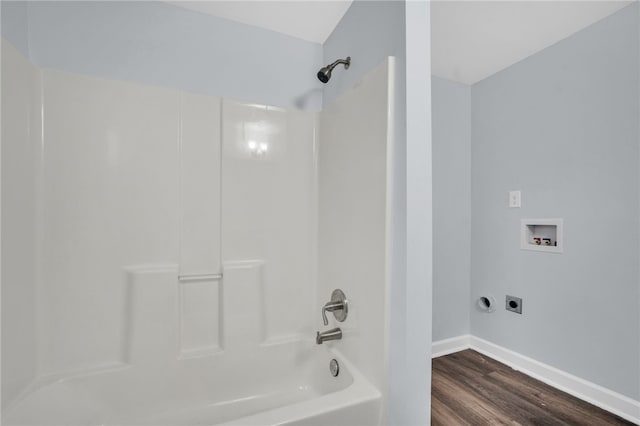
(284, 384)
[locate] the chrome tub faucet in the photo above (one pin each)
(340, 308)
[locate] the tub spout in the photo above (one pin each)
(333, 334)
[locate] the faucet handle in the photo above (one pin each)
(338, 305)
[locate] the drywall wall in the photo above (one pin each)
(411, 390)
(368, 32)
(19, 158)
(164, 45)
(15, 26)
(562, 127)
(451, 113)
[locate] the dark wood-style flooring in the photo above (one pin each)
(469, 388)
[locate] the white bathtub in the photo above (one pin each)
(285, 384)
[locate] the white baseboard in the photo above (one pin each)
(449, 346)
(592, 393)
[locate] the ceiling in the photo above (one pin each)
(472, 40)
(308, 20)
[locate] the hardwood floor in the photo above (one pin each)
(469, 388)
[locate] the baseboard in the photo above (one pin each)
(449, 346)
(592, 393)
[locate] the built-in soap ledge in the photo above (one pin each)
(186, 278)
(541, 235)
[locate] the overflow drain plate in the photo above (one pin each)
(334, 367)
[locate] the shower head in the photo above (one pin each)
(325, 72)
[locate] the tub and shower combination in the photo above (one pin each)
(182, 248)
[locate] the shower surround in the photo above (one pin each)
(181, 248)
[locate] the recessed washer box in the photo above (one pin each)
(541, 235)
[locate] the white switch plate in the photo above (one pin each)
(515, 199)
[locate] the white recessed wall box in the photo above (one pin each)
(541, 235)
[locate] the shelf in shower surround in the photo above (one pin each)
(541, 235)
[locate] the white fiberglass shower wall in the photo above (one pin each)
(145, 203)
(160, 252)
(354, 197)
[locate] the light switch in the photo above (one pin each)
(515, 199)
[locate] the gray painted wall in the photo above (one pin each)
(411, 391)
(369, 32)
(164, 45)
(15, 26)
(562, 126)
(451, 113)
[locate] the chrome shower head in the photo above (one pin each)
(324, 75)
